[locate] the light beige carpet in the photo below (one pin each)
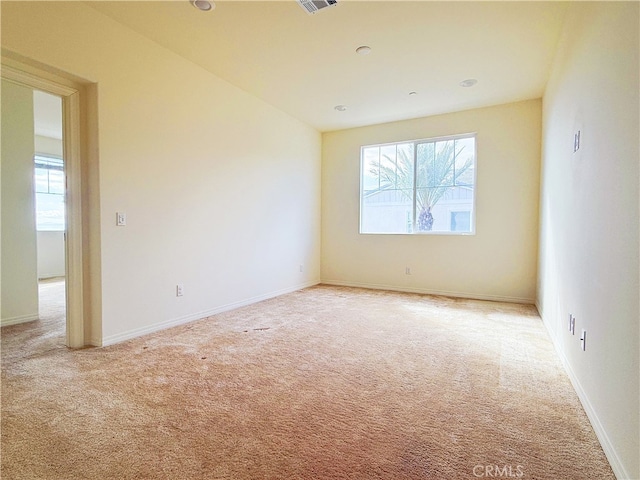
(324, 383)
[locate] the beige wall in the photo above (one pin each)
(221, 191)
(589, 219)
(50, 254)
(18, 259)
(48, 145)
(499, 262)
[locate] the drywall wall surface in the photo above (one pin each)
(48, 146)
(589, 218)
(18, 262)
(50, 254)
(498, 262)
(221, 191)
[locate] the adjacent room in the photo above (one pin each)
(320, 240)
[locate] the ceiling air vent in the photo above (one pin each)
(312, 6)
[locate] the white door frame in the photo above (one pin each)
(70, 93)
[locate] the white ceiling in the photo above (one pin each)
(306, 64)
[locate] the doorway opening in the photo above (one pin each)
(50, 210)
(81, 232)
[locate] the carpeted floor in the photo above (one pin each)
(324, 383)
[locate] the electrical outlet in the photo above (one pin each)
(583, 340)
(407, 271)
(121, 219)
(179, 290)
(301, 268)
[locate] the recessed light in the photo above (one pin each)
(469, 82)
(363, 50)
(203, 5)
(340, 108)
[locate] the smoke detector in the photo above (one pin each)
(313, 6)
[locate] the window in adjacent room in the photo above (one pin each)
(419, 187)
(49, 186)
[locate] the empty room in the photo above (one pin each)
(320, 240)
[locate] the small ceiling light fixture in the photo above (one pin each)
(413, 93)
(203, 5)
(363, 50)
(340, 108)
(469, 82)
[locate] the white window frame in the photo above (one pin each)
(415, 181)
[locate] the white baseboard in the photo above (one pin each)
(137, 332)
(609, 450)
(20, 319)
(427, 291)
